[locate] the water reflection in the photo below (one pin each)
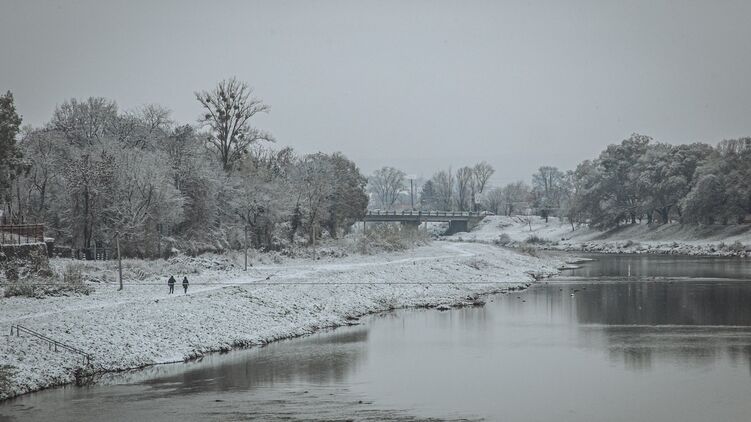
(565, 350)
(646, 266)
(323, 359)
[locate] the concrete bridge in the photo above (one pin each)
(459, 221)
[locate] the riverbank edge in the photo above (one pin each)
(86, 376)
(626, 247)
(81, 375)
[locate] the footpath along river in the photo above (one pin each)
(623, 338)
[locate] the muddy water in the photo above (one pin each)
(623, 338)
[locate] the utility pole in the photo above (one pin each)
(159, 240)
(119, 260)
(412, 192)
(412, 178)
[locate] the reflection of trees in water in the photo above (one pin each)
(688, 323)
(634, 358)
(664, 266)
(665, 303)
(318, 359)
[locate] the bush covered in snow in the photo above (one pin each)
(6, 373)
(23, 288)
(535, 240)
(503, 239)
(70, 282)
(389, 238)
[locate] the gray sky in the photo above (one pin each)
(419, 85)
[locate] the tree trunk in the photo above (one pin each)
(86, 218)
(664, 214)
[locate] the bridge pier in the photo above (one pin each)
(456, 226)
(411, 225)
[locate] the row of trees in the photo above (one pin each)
(93, 171)
(446, 190)
(639, 180)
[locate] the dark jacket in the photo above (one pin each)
(171, 281)
(185, 281)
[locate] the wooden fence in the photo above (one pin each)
(18, 234)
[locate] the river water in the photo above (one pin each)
(623, 338)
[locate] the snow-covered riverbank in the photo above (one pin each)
(670, 239)
(227, 308)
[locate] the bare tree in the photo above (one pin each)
(313, 179)
(481, 173)
(493, 200)
(549, 188)
(386, 184)
(514, 194)
(229, 108)
(443, 188)
(463, 187)
(86, 122)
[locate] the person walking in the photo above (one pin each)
(185, 284)
(171, 283)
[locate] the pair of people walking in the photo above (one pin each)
(171, 283)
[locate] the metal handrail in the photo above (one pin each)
(52, 342)
(426, 213)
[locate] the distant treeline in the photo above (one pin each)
(637, 180)
(93, 171)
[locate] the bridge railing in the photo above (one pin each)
(424, 213)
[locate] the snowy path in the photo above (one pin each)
(143, 325)
(460, 250)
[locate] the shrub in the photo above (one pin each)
(6, 373)
(23, 288)
(528, 250)
(737, 246)
(71, 281)
(503, 240)
(535, 240)
(73, 274)
(389, 238)
(477, 264)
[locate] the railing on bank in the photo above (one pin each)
(53, 344)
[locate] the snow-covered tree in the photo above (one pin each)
(11, 162)
(386, 184)
(481, 173)
(443, 186)
(464, 178)
(229, 108)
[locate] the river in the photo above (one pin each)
(623, 338)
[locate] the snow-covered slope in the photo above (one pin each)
(637, 238)
(228, 308)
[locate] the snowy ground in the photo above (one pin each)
(226, 307)
(730, 240)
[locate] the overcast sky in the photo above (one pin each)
(420, 85)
